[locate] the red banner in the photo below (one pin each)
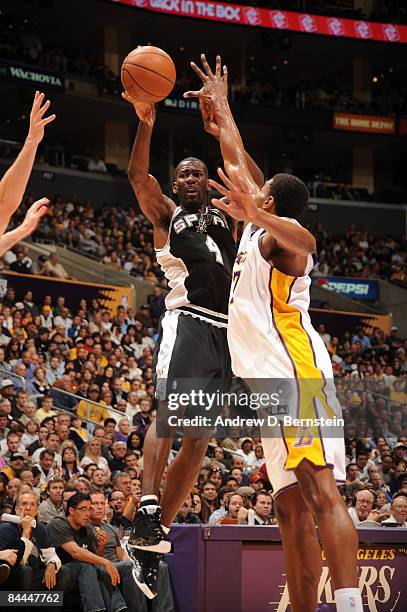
(275, 19)
(364, 123)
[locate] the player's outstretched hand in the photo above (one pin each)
(34, 214)
(240, 203)
(214, 85)
(37, 119)
(145, 112)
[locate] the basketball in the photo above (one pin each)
(148, 74)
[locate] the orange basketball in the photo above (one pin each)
(148, 74)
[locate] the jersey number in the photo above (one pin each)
(213, 248)
(235, 280)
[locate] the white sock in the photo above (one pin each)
(348, 600)
(149, 498)
(165, 529)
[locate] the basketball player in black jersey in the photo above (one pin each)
(196, 249)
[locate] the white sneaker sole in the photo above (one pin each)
(162, 547)
(143, 587)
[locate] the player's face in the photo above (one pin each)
(191, 185)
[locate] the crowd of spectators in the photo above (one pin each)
(360, 254)
(122, 239)
(76, 400)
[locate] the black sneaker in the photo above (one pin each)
(147, 533)
(145, 570)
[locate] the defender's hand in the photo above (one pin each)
(215, 86)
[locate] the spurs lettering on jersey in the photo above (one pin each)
(197, 261)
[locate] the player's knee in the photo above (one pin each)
(287, 514)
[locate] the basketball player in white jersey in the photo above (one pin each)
(271, 336)
(14, 182)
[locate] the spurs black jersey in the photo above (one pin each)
(197, 262)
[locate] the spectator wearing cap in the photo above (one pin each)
(53, 505)
(7, 388)
(394, 341)
(398, 512)
(256, 481)
(399, 452)
(16, 463)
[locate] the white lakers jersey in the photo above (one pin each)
(270, 332)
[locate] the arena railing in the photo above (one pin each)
(4, 374)
(112, 411)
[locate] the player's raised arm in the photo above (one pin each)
(154, 204)
(14, 182)
(212, 128)
(215, 89)
(243, 203)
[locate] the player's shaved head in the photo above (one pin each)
(188, 161)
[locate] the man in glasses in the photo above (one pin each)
(78, 548)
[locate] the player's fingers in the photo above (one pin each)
(48, 119)
(37, 205)
(221, 188)
(42, 110)
(218, 66)
(225, 178)
(225, 74)
(126, 96)
(206, 65)
(219, 204)
(192, 94)
(199, 72)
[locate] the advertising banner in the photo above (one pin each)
(337, 322)
(364, 123)
(356, 288)
(32, 75)
(381, 579)
(275, 19)
(109, 296)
